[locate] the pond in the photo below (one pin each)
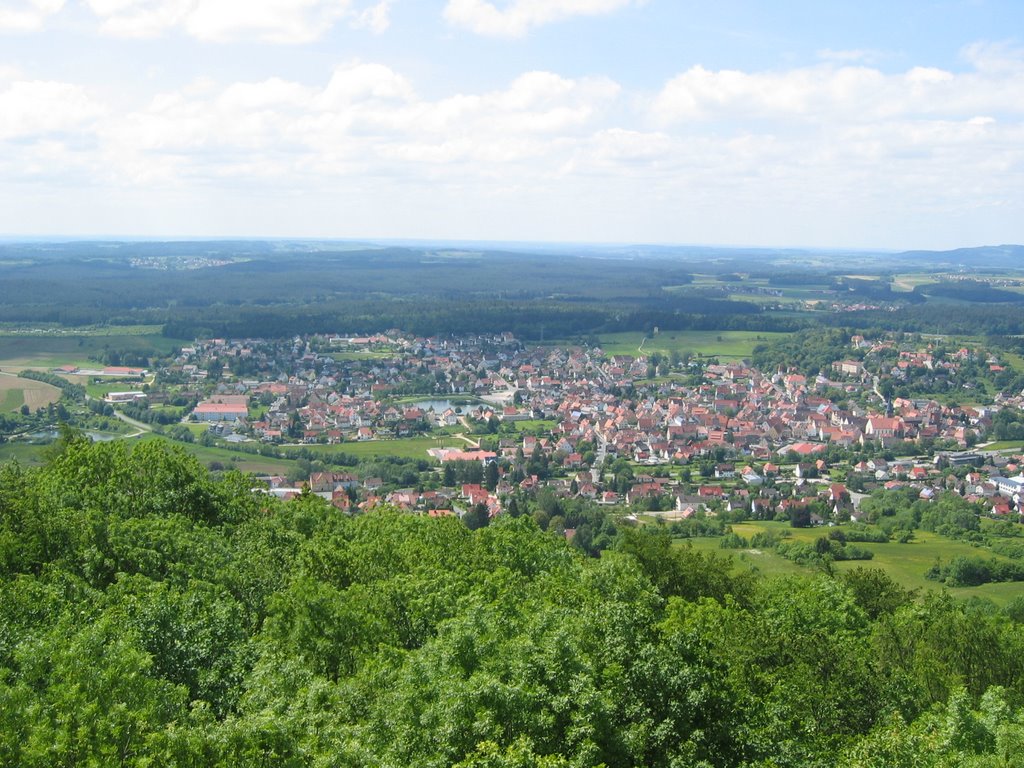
(52, 434)
(440, 406)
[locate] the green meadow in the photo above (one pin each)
(722, 344)
(22, 349)
(13, 399)
(904, 563)
(404, 448)
(356, 356)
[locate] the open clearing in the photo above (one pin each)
(32, 454)
(19, 351)
(722, 344)
(404, 448)
(904, 563)
(243, 462)
(15, 392)
(357, 355)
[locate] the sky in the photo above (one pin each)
(798, 123)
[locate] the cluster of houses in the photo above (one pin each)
(335, 389)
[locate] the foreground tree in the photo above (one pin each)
(151, 615)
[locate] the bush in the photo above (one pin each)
(862, 532)
(764, 540)
(972, 571)
(733, 541)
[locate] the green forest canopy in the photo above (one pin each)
(152, 614)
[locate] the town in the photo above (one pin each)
(492, 420)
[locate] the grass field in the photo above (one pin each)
(51, 331)
(44, 351)
(908, 282)
(734, 292)
(1006, 446)
(244, 462)
(30, 454)
(367, 355)
(722, 344)
(905, 563)
(13, 399)
(791, 299)
(406, 448)
(535, 426)
(409, 448)
(1016, 361)
(16, 391)
(104, 388)
(26, 454)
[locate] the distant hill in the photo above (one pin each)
(1002, 256)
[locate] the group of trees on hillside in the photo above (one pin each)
(151, 614)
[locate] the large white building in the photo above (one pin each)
(221, 411)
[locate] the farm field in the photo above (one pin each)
(106, 386)
(904, 563)
(406, 448)
(15, 392)
(20, 350)
(722, 344)
(1009, 280)
(908, 282)
(789, 299)
(243, 462)
(25, 453)
(1005, 446)
(804, 292)
(409, 448)
(361, 355)
(31, 454)
(56, 331)
(12, 400)
(534, 426)
(1015, 360)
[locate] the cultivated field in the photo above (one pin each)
(243, 462)
(357, 355)
(23, 349)
(404, 448)
(15, 392)
(727, 345)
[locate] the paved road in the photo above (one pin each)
(142, 427)
(602, 452)
(461, 436)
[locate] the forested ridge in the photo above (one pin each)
(279, 289)
(154, 614)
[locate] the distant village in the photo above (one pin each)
(671, 437)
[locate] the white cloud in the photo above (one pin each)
(825, 150)
(36, 109)
(273, 21)
(366, 121)
(516, 17)
(141, 18)
(363, 82)
(994, 57)
(26, 15)
(279, 21)
(825, 94)
(376, 18)
(846, 145)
